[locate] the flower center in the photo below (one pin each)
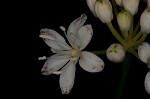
(75, 53)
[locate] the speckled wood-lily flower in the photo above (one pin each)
(79, 37)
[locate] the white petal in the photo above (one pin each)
(54, 40)
(54, 63)
(91, 4)
(90, 62)
(147, 82)
(74, 27)
(144, 52)
(67, 77)
(84, 36)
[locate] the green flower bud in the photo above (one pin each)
(124, 21)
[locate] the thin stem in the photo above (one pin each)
(141, 39)
(99, 52)
(114, 7)
(115, 33)
(131, 29)
(132, 51)
(137, 36)
(136, 28)
(123, 80)
(125, 33)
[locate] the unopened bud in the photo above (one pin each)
(115, 53)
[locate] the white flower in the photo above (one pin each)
(147, 82)
(115, 53)
(144, 53)
(131, 6)
(145, 21)
(124, 21)
(91, 5)
(119, 2)
(103, 10)
(79, 37)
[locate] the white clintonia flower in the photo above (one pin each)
(145, 21)
(131, 6)
(147, 82)
(91, 5)
(119, 2)
(124, 21)
(103, 10)
(144, 52)
(115, 53)
(78, 36)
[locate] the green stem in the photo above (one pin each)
(132, 51)
(99, 52)
(131, 29)
(141, 39)
(126, 36)
(136, 28)
(115, 33)
(114, 7)
(137, 36)
(123, 80)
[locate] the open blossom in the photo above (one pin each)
(79, 37)
(131, 6)
(145, 21)
(103, 9)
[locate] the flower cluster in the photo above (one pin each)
(130, 38)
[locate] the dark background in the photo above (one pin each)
(103, 85)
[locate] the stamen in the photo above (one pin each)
(46, 37)
(57, 72)
(62, 28)
(42, 58)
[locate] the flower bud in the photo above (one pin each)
(144, 52)
(148, 3)
(145, 21)
(115, 53)
(103, 10)
(91, 5)
(147, 82)
(131, 6)
(119, 2)
(124, 20)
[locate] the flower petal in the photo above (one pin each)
(67, 77)
(74, 27)
(54, 40)
(90, 62)
(84, 36)
(147, 82)
(144, 52)
(54, 63)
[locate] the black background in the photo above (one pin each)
(55, 13)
